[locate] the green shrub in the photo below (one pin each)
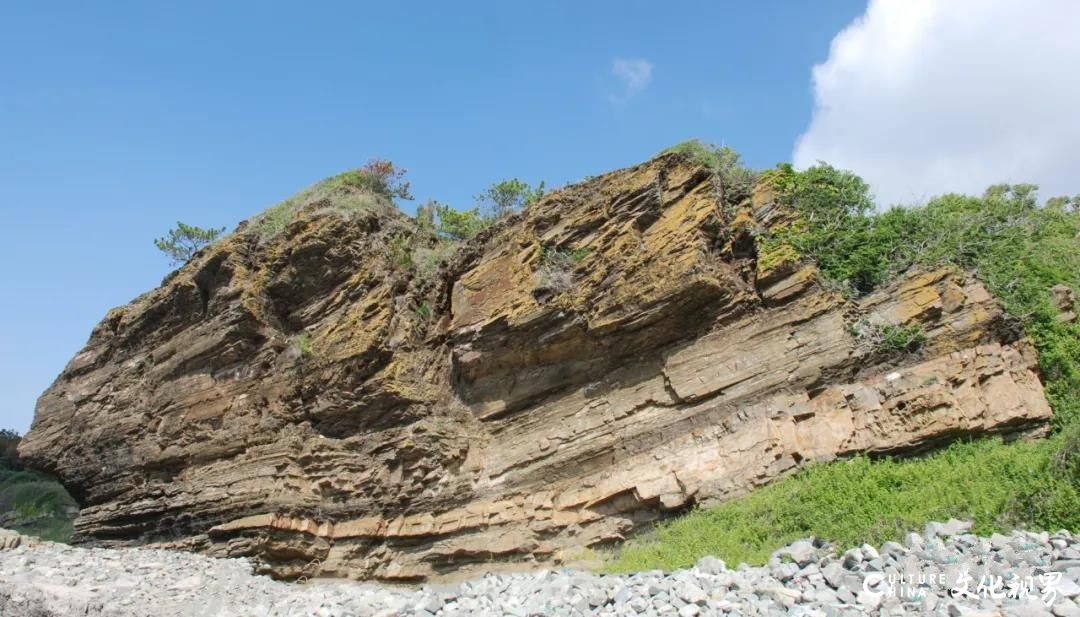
(423, 311)
(382, 177)
(562, 259)
(736, 179)
(508, 196)
(905, 339)
(184, 241)
(1002, 234)
(889, 339)
(399, 253)
(556, 271)
(833, 228)
(303, 344)
(425, 217)
(460, 224)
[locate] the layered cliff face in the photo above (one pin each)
(615, 353)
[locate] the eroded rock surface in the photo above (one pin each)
(305, 401)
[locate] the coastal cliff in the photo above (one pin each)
(618, 351)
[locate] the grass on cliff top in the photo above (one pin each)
(344, 193)
(1020, 250)
(998, 486)
(36, 505)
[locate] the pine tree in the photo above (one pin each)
(509, 196)
(185, 240)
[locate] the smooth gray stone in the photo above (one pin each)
(801, 552)
(711, 565)
(913, 541)
(1068, 587)
(852, 558)
(833, 574)
(1065, 608)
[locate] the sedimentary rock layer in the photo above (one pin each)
(306, 400)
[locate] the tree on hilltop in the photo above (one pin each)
(382, 176)
(185, 240)
(509, 196)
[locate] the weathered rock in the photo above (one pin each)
(287, 400)
(11, 539)
(1065, 301)
(799, 553)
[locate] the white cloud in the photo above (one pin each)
(922, 97)
(634, 73)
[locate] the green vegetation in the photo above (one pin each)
(381, 177)
(342, 193)
(9, 453)
(459, 225)
(859, 500)
(833, 227)
(32, 502)
(771, 254)
(425, 216)
(303, 344)
(563, 259)
(36, 505)
(357, 190)
(889, 339)
(184, 241)
(399, 253)
(1020, 250)
(900, 339)
(427, 260)
(423, 311)
(556, 271)
(453, 227)
(423, 256)
(736, 179)
(1017, 248)
(508, 196)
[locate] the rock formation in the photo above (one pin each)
(612, 354)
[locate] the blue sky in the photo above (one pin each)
(119, 118)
